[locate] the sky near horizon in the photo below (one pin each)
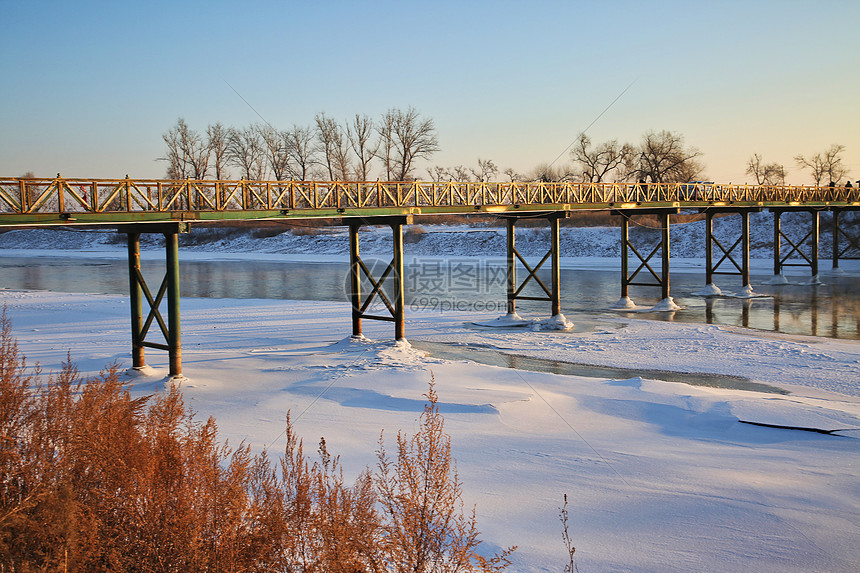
(90, 86)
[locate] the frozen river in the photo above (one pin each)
(451, 284)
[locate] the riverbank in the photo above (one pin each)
(578, 246)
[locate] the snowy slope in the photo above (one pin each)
(687, 240)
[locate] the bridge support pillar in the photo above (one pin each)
(551, 292)
(661, 279)
(839, 251)
(729, 253)
(136, 300)
(360, 272)
(140, 291)
(811, 239)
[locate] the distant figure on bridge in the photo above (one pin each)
(848, 183)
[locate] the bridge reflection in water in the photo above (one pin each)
(138, 206)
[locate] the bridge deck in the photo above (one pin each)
(61, 201)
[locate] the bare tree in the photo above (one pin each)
(247, 151)
(385, 144)
(187, 153)
(359, 133)
(405, 137)
(664, 159)
(597, 162)
(825, 166)
(277, 151)
(177, 167)
(549, 173)
(460, 173)
(486, 170)
(770, 174)
(512, 174)
(439, 173)
(301, 150)
(218, 141)
(333, 147)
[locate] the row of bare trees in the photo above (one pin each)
(349, 151)
(824, 167)
(94, 480)
(327, 149)
(661, 157)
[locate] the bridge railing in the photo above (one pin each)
(68, 196)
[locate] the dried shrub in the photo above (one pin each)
(421, 495)
(306, 230)
(92, 479)
(414, 234)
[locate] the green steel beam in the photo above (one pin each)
(118, 218)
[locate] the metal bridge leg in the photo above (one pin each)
(777, 235)
(136, 300)
(729, 253)
(661, 278)
(512, 266)
(709, 248)
(139, 291)
(745, 240)
(354, 279)
(625, 244)
(399, 294)
(816, 227)
(174, 342)
(552, 292)
(396, 309)
(835, 250)
(664, 271)
(556, 265)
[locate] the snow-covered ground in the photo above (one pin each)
(661, 476)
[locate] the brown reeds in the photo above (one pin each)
(93, 479)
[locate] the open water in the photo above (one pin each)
(450, 285)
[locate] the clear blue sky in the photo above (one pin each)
(89, 87)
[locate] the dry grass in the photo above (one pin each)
(93, 480)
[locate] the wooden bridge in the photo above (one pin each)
(61, 201)
(136, 206)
